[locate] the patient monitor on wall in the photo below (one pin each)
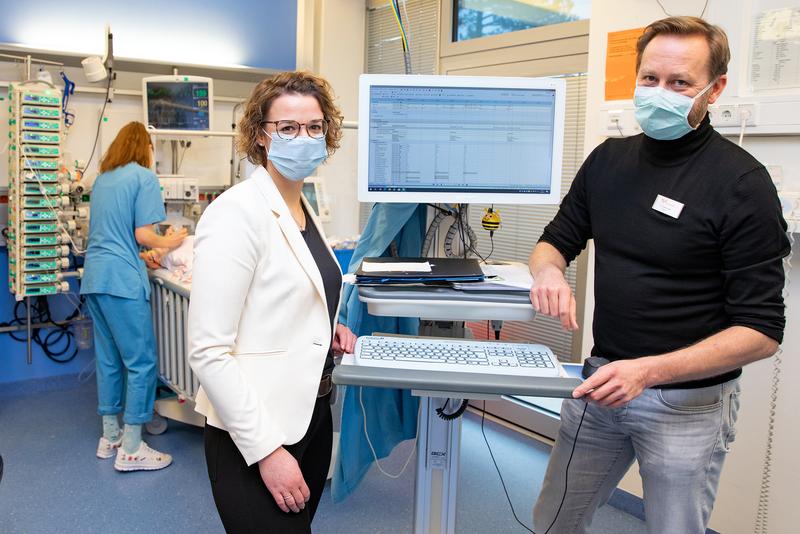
(178, 102)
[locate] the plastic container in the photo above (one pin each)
(343, 256)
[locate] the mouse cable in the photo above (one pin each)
(566, 471)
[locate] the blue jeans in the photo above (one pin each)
(125, 351)
(680, 438)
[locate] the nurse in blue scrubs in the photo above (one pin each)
(126, 202)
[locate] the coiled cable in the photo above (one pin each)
(762, 512)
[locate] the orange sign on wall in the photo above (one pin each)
(621, 64)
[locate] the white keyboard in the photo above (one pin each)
(456, 355)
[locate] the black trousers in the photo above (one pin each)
(243, 501)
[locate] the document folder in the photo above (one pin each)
(441, 270)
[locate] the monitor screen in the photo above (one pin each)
(460, 139)
(178, 103)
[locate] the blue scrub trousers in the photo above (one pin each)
(125, 350)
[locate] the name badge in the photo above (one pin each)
(667, 206)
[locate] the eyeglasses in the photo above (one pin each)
(291, 129)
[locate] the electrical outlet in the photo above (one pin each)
(725, 115)
(619, 123)
(730, 115)
(747, 112)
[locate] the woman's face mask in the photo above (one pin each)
(296, 158)
(664, 114)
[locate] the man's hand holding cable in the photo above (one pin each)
(281, 475)
(551, 295)
(615, 384)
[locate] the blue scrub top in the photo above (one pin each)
(123, 199)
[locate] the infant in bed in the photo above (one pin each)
(178, 260)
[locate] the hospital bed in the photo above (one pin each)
(169, 302)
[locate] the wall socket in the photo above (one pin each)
(731, 115)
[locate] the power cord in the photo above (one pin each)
(762, 513)
(566, 471)
(473, 240)
(745, 115)
(670, 14)
(40, 313)
(99, 123)
(186, 146)
(372, 448)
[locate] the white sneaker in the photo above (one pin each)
(107, 448)
(144, 459)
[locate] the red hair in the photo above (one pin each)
(132, 144)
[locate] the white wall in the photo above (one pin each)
(341, 60)
(735, 510)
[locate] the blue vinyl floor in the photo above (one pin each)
(54, 484)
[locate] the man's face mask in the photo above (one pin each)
(664, 114)
(296, 158)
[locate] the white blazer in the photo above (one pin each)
(259, 329)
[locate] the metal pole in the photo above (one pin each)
(38, 60)
(38, 326)
(28, 67)
(174, 156)
(29, 328)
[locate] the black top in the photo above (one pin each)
(663, 283)
(331, 275)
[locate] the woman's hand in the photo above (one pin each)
(173, 239)
(152, 258)
(282, 476)
(344, 340)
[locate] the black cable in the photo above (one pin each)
(183, 155)
(40, 313)
(99, 123)
(456, 414)
(468, 247)
(461, 230)
(434, 206)
(566, 471)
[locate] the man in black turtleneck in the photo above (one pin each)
(689, 241)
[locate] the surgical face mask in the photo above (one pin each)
(664, 114)
(297, 158)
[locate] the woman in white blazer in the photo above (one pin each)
(262, 317)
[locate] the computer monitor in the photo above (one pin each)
(178, 102)
(460, 139)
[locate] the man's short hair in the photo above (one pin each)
(720, 52)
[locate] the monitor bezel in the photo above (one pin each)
(368, 81)
(179, 79)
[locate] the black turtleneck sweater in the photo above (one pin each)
(662, 283)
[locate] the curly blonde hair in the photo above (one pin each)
(257, 107)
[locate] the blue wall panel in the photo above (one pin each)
(13, 357)
(252, 33)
